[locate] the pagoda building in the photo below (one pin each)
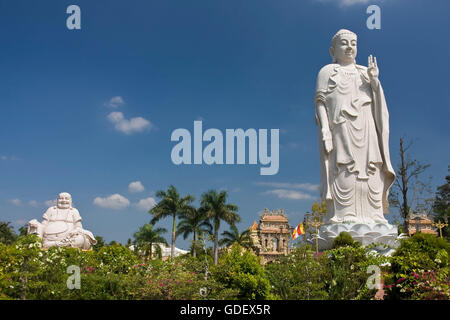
(270, 238)
(419, 222)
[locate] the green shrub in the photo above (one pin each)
(342, 240)
(241, 270)
(420, 269)
(347, 272)
(299, 276)
(28, 272)
(116, 259)
(112, 272)
(20, 268)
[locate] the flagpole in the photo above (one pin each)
(315, 222)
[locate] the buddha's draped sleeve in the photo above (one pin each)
(76, 215)
(46, 215)
(322, 89)
(381, 117)
(324, 85)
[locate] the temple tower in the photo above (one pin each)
(271, 236)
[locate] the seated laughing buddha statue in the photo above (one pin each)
(61, 226)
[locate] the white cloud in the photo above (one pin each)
(33, 203)
(146, 204)
(115, 102)
(346, 3)
(50, 203)
(132, 125)
(289, 194)
(352, 2)
(10, 158)
(16, 202)
(302, 186)
(135, 187)
(114, 201)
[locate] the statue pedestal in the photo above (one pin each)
(383, 236)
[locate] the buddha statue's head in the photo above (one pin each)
(64, 200)
(343, 48)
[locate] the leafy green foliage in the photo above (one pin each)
(146, 237)
(343, 239)
(112, 272)
(233, 236)
(19, 267)
(7, 234)
(171, 205)
(195, 222)
(241, 270)
(181, 278)
(415, 259)
(100, 243)
(419, 269)
(217, 209)
(23, 230)
(299, 275)
(441, 205)
(347, 272)
(116, 259)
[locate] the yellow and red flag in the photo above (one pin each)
(298, 231)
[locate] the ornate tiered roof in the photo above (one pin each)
(416, 222)
(273, 215)
(271, 236)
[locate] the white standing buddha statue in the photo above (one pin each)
(61, 226)
(353, 121)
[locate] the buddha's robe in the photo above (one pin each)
(63, 227)
(357, 174)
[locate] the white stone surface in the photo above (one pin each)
(353, 122)
(382, 235)
(61, 226)
(165, 250)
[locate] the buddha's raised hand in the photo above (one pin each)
(373, 71)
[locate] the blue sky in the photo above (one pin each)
(232, 64)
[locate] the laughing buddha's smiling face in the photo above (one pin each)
(64, 200)
(345, 49)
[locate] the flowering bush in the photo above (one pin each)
(348, 272)
(20, 270)
(171, 279)
(28, 272)
(424, 285)
(112, 272)
(300, 275)
(420, 269)
(116, 259)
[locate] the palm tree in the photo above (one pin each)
(195, 221)
(7, 234)
(146, 236)
(215, 206)
(233, 236)
(173, 205)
